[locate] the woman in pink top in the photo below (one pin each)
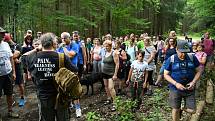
(96, 56)
(201, 56)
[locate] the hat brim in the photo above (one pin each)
(184, 50)
(3, 31)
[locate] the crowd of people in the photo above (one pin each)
(125, 61)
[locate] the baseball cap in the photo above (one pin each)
(75, 32)
(29, 31)
(2, 30)
(183, 46)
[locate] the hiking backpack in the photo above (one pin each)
(67, 84)
(190, 55)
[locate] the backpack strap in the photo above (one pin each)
(190, 55)
(172, 58)
(147, 50)
(61, 65)
(61, 60)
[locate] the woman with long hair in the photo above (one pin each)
(123, 59)
(169, 50)
(149, 57)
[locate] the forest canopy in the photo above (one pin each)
(94, 18)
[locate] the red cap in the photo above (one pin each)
(7, 37)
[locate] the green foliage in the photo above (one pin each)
(202, 16)
(97, 17)
(124, 109)
(93, 116)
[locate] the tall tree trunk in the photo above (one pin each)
(108, 20)
(57, 7)
(1, 21)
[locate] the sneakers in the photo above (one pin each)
(11, 114)
(21, 102)
(158, 85)
(78, 113)
(108, 101)
(113, 108)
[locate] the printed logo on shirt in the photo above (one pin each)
(45, 65)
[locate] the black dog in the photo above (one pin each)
(90, 79)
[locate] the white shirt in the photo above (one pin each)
(138, 70)
(5, 54)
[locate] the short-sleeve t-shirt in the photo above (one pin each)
(16, 47)
(148, 51)
(138, 70)
(199, 56)
(170, 52)
(182, 71)
(26, 49)
(71, 47)
(208, 44)
(5, 54)
(42, 66)
(131, 52)
(80, 45)
(140, 45)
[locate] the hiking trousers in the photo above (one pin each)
(47, 111)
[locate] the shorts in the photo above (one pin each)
(19, 77)
(175, 99)
(105, 76)
(48, 113)
(150, 79)
(121, 74)
(6, 84)
(80, 70)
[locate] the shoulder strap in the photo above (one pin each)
(190, 56)
(126, 48)
(147, 50)
(172, 58)
(61, 65)
(61, 60)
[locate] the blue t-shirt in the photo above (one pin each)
(170, 52)
(71, 47)
(80, 53)
(182, 71)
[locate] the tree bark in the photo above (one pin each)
(209, 92)
(196, 116)
(57, 7)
